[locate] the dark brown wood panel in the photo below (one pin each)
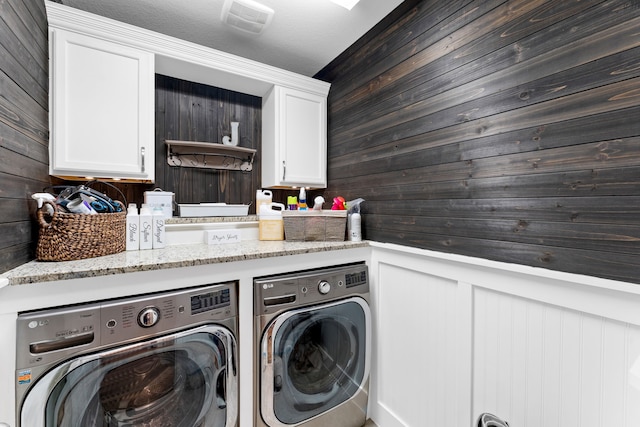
(26, 44)
(195, 112)
(24, 127)
(513, 136)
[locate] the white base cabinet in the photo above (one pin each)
(294, 139)
(102, 108)
(456, 337)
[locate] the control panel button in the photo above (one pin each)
(148, 317)
(324, 287)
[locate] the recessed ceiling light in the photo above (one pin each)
(347, 4)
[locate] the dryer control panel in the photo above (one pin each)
(274, 293)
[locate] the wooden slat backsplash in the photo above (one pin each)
(505, 130)
(196, 112)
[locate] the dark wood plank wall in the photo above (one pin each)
(196, 112)
(24, 125)
(507, 130)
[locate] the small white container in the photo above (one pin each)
(146, 228)
(162, 199)
(133, 228)
(158, 234)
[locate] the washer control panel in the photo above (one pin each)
(47, 335)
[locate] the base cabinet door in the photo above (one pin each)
(102, 108)
(294, 141)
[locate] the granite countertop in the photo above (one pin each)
(169, 257)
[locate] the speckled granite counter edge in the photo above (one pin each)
(170, 257)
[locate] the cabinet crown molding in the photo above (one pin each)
(182, 59)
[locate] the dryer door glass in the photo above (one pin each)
(173, 381)
(319, 359)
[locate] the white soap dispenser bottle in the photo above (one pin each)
(159, 233)
(146, 227)
(133, 228)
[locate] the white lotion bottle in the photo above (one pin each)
(355, 227)
(133, 228)
(146, 228)
(354, 220)
(159, 232)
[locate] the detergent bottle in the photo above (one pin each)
(270, 223)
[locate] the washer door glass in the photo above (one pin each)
(178, 380)
(318, 359)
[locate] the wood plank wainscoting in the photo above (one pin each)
(455, 337)
(24, 125)
(506, 130)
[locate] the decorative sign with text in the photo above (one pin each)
(220, 237)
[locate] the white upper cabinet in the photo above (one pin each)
(102, 101)
(102, 108)
(294, 139)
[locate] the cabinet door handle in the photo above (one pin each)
(284, 169)
(142, 157)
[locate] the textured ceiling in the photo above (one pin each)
(304, 36)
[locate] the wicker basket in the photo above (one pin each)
(70, 236)
(306, 226)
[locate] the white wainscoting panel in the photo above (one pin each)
(415, 333)
(537, 364)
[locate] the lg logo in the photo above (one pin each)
(267, 286)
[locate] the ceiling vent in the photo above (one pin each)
(246, 15)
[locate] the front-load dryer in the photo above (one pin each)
(313, 338)
(165, 359)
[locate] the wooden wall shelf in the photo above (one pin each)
(210, 155)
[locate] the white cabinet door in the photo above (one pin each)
(102, 108)
(294, 144)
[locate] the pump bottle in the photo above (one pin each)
(302, 199)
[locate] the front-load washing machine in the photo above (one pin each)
(165, 359)
(313, 337)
